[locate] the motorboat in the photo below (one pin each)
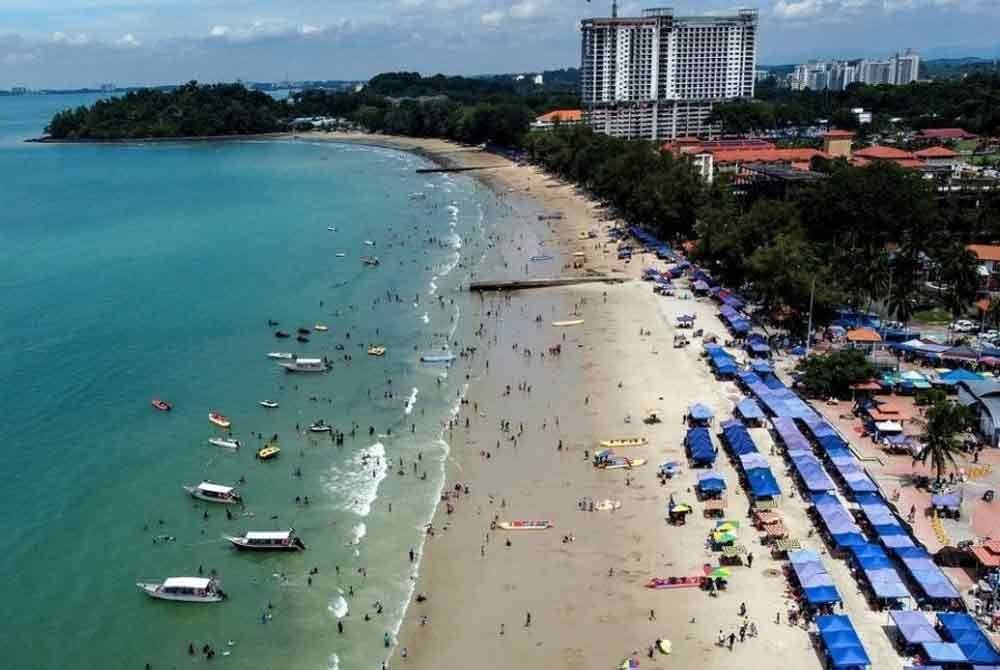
(270, 404)
(340, 254)
(161, 405)
(320, 427)
(332, 229)
(225, 443)
(372, 261)
(268, 451)
(185, 589)
(302, 338)
(320, 328)
(376, 351)
(437, 358)
(281, 355)
(369, 243)
(219, 420)
(567, 324)
(524, 525)
(280, 334)
(217, 493)
(306, 365)
(303, 331)
(270, 540)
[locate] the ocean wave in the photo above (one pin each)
(333, 663)
(338, 606)
(433, 287)
(355, 483)
(411, 401)
(359, 530)
(426, 318)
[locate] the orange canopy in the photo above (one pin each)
(863, 335)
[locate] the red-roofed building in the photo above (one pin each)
(568, 117)
(937, 156)
(988, 256)
(730, 159)
(946, 134)
(838, 143)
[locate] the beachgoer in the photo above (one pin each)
(750, 560)
(527, 619)
(732, 640)
(743, 609)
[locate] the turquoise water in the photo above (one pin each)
(133, 272)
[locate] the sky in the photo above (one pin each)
(80, 43)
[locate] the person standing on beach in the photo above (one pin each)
(527, 619)
(732, 640)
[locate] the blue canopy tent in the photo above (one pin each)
(811, 472)
(812, 576)
(749, 410)
(855, 479)
(928, 576)
(790, 435)
(914, 627)
(700, 412)
(737, 438)
(699, 445)
(841, 641)
(753, 461)
(962, 629)
(943, 652)
(761, 367)
(959, 375)
(711, 482)
(838, 522)
(762, 483)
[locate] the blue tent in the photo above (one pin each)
(843, 647)
(813, 577)
(928, 576)
(700, 412)
(811, 472)
(762, 483)
(738, 438)
(749, 409)
(959, 375)
(699, 446)
(711, 482)
(914, 627)
(962, 629)
(943, 652)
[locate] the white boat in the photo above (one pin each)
(224, 443)
(281, 355)
(320, 427)
(220, 420)
(217, 493)
(340, 254)
(437, 358)
(270, 404)
(369, 243)
(271, 540)
(305, 365)
(184, 589)
(372, 261)
(320, 328)
(332, 229)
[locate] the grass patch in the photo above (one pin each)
(929, 316)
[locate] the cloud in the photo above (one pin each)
(128, 40)
(492, 19)
(524, 9)
(218, 31)
(75, 40)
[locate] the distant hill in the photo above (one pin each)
(955, 68)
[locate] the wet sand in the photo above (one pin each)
(586, 597)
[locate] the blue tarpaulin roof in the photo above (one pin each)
(699, 445)
(762, 483)
(928, 576)
(838, 521)
(914, 626)
(813, 577)
(962, 629)
(749, 409)
(959, 375)
(701, 412)
(943, 652)
(711, 482)
(790, 434)
(812, 473)
(843, 647)
(738, 438)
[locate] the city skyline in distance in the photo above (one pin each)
(82, 43)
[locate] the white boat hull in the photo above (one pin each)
(152, 590)
(195, 493)
(225, 444)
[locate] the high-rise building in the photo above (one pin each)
(837, 75)
(657, 76)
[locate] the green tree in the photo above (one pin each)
(942, 425)
(831, 375)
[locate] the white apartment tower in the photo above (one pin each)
(658, 75)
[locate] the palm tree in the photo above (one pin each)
(942, 424)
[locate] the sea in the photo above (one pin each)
(140, 271)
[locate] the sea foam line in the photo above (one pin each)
(360, 481)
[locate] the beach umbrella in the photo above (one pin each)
(681, 508)
(720, 573)
(727, 526)
(723, 538)
(666, 647)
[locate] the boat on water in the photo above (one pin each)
(437, 358)
(280, 334)
(270, 404)
(566, 324)
(340, 254)
(281, 355)
(320, 427)
(268, 540)
(369, 243)
(303, 331)
(225, 443)
(161, 405)
(185, 589)
(332, 229)
(268, 451)
(306, 365)
(376, 351)
(624, 442)
(220, 420)
(302, 338)
(372, 261)
(524, 525)
(320, 328)
(217, 493)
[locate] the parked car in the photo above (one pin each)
(963, 326)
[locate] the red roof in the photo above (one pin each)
(985, 252)
(863, 335)
(564, 115)
(879, 152)
(935, 152)
(947, 133)
(838, 134)
(766, 156)
(988, 554)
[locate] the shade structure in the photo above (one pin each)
(843, 647)
(811, 472)
(699, 445)
(790, 435)
(749, 409)
(963, 630)
(929, 578)
(959, 375)
(738, 438)
(838, 522)
(700, 412)
(762, 483)
(752, 461)
(812, 576)
(711, 482)
(946, 500)
(943, 652)
(914, 627)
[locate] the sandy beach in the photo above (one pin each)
(582, 581)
